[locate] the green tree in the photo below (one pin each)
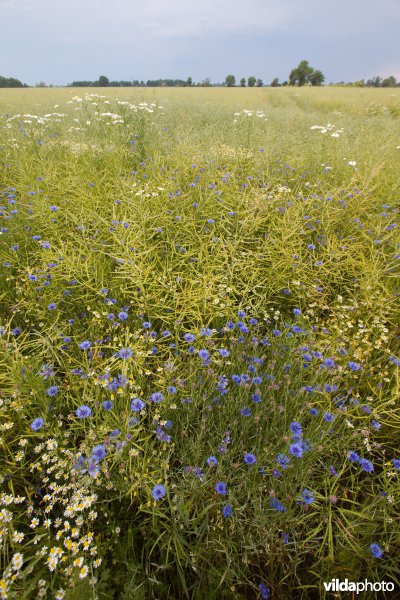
(389, 81)
(259, 83)
(230, 80)
(305, 74)
(189, 81)
(251, 82)
(243, 82)
(275, 82)
(316, 77)
(103, 81)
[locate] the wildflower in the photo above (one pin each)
(227, 511)
(353, 366)
(122, 316)
(52, 390)
(329, 362)
(83, 411)
(158, 491)
(307, 496)
(366, 465)
(99, 452)
(396, 463)
(376, 551)
(51, 306)
(204, 354)
(249, 458)
(146, 324)
(137, 405)
(256, 397)
(283, 461)
(17, 561)
(277, 505)
(296, 449)
(189, 337)
(212, 461)
(245, 412)
(329, 417)
(264, 591)
(37, 424)
(296, 428)
(107, 405)
(156, 397)
(220, 488)
(125, 353)
(223, 352)
(85, 345)
(353, 456)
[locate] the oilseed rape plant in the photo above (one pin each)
(199, 342)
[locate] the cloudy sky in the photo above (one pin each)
(65, 40)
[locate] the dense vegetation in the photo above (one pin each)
(199, 352)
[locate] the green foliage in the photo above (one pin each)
(304, 74)
(251, 82)
(230, 81)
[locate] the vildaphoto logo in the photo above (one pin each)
(358, 586)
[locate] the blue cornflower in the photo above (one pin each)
(307, 496)
(158, 491)
(171, 389)
(125, 353)
(51, 306)
(277, 505)
(227, 511)
(123, 316)
(16, 330)
(37, 424)
(285, 537)
(204, 354)
(249, 458)
(85, 345)
(329, 362)
(107, 405)
(283, 461)
(256, 397)
(296, 449)
(376, 550)
(146, 324)
(296, 311)
(264, 591)
(257, 380)
(223, 352)
(375, 424)
(156, 397)
(329, 417)
(32, 277)
(93, 467)
(83, 411)
(137, 405)
(296, 428)
(245, 412)
(46, 245)
(353, 456)
(396, 463)
(99, 452)
(212, 461)
(313, 412)
(220, 488)
(297, 329)
(52, 390)
(241, 314)
(366, 465)
(353, 366)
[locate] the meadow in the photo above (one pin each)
(199, 342)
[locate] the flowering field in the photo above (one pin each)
(199, 342)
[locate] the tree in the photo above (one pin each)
(230, 81)
(103, 81)
(10, 82)
(389, 82)
(259, 83)
(206, 82)
(251, 82)
(275, 82)
(189, 81)
(317, 77)
(305, 74)
(243, 82)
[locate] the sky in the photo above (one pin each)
(59, 41)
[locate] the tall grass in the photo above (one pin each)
(214, 247)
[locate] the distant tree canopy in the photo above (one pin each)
(304, 74)
(230, 80)
(11, 82)
(103, 81)
(251, 82)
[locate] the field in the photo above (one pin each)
(199, 342)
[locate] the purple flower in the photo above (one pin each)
(396, 463)
(353, 366)
(156, 397)
(137, 405)
(329, 417)
(37, 424)
(52, 390)
(189, 337)
(212, 461)
(329, 362)
(227, 511)
(204, 354)
(158, 491)
(376, 550)
(307, 496)
(85, 345)
(366, 465)
(125, 353)
(277, 505)
(99, 452)
(353, 456)
(107, 405)
(264, 591)
(147, 325)
(249, 458)
(83, 411)
(220, 488)
(123, 316)
(296, 449)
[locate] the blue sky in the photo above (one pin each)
(60, 41)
